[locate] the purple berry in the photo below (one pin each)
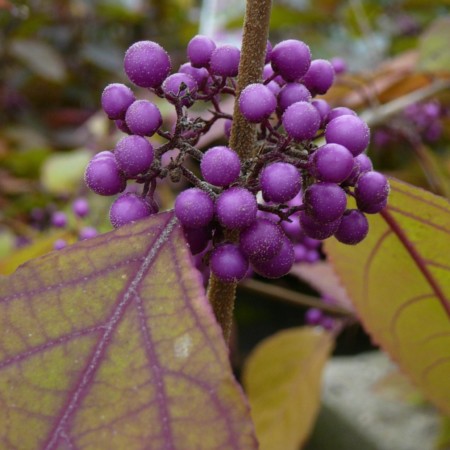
(147, 64)
(274, 87)
(227, 127)
(280, 182)
(325, 202)
(292, 93)
(301, 121)
(372, 188)
(261, 240)
(199, 75)
(122, 126)
(353, 227)
(291, 59)
(228, 263)
(280, 264)
(361, 164)
(224, 61)
(313, 316)
(323, 109)
(236, 208)
(194, 208)
(199, 50)
(220, 166)
(320, 76)
(87, 233)
(103, 175)
(80, 207)
(59, 219)
(349, 131)
(339, 111)
(339, 65)
(134, 155)
(59, 244)
(128, 208)
(257, 102)
(197, 238)
(143, 118)
(317, 230)
(116, 98)
(173, 90)
(332, 162)
(268, 52)
(300, 252)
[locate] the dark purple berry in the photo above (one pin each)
(320, 76)
(180, 86)
(134, 155)
(199, 50)
(224, 61)
(128, 208)
(220, 166)
(116, 98)
(147, 64)
(317, 230)
(236, 208)
(372, 188)
(261, 240)
(280, 264)
(197, 238)
(280, 182)
(353, 227)
(143, 118)
(349, 131)
(332, 162)
(257, 102)
(325, 202)
(301, 121)
(194, 208)
(291, 59)
(228, 263)
(361, 164)
(103, 175)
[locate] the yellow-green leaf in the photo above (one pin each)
(433, 47)
(282, 378)
(398, 279)
(111, 344)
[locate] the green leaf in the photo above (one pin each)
(443, 442)
(433, 47)
(398, 279)
(62, 173)
(111, 344)
(282, 378)
(40, 58)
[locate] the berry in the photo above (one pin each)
(325, 202)
(301, 121)
(194, 208)
(87, 233)
(317, 230)
(197, 238)
(257, 102)
(103, 175)
(313, 316)
(339, 65)
(372, 188)
(122, 126)
(199, 75)
(225, 61)
(228, 263)
(220, 166)
(134, 155)
(59, 219)
(143, 118)
(173, 88)
(323, 108)
(80, 207)
(147, 64)
(280, 264)
(349, 131)
(227, 128)
(320, 76)
(361, 163)
(236, 208)
(59, 244)
(268, 52)
(199, 50)
(340, 111)
(353, 227)
(128, 208)
(332, 162)
(116, 98)
(280, 182)
(261, 240)
(291, 59)
(292, 93)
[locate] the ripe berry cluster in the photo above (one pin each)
(291, 190)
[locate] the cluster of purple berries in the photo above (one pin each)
(291, 190)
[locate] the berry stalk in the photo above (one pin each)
(243, 134)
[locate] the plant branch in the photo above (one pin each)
(243, 134)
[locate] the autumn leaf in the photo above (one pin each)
(282, 378)
(398, 279)
(111, 344)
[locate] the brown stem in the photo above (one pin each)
(243, 134)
